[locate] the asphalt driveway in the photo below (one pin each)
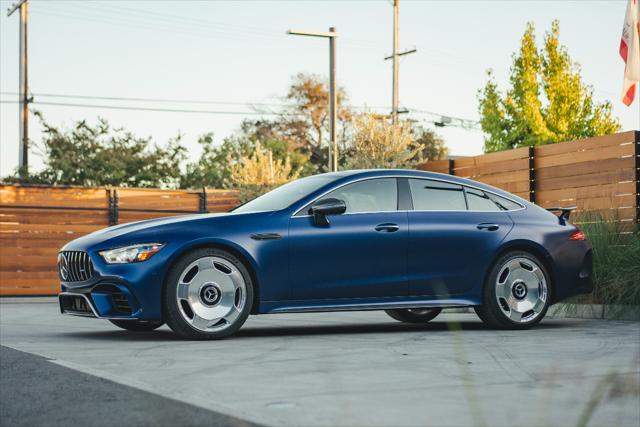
(316, 370)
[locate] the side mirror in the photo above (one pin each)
(321, 209)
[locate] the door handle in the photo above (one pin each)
(487, 226)
(387, 227)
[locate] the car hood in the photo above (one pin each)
(148, 228)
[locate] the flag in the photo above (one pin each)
(630, 51)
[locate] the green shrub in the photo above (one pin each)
(616, 261)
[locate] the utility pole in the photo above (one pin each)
(333, 93)
(23, 154)
(333, 98)
(396, 48)
(395, 96)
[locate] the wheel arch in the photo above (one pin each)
(230, 247)
(533, 248)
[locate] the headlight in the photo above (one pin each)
(133, 253)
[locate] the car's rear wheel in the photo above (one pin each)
(517, 292)
(414, 315)
(207, 295)
(137, 325)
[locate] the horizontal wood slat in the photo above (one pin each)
(595, 143)
(36, 221)
(596, 174)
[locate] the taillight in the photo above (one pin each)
(578, 235)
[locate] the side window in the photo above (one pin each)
(372, 195)
(479, 201)
(436, 196)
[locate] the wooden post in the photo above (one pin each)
(203, 200)
(113, 206)
(532, 174)
(637, 154)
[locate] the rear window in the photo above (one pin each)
(478, 200)
(504, 203)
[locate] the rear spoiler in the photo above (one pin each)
(565, 212)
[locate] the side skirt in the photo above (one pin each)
(367, 305)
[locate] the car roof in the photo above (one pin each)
(349, 175)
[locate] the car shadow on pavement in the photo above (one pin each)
(248, 331)
(374, 328)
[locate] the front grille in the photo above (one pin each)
(74, 266)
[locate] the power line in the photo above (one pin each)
(184, 26)
(165, 110)
(440, 120)
(164, 100)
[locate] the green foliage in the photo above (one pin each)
(547, 101)
(432, 146)
(213, 168)
(616, 270)
(216, 163)
(297, 138)
(101, 155)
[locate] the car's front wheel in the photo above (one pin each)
(137, 325)
(414, 315)
(517, 292)
(207, 295)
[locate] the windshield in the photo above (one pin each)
(282, 197)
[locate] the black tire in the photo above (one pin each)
(172, 312)
(408, 315)
(137, 325)
(491, 313)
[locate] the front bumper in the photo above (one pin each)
(102, 301)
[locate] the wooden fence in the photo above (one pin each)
(598, 175)
(36, 221)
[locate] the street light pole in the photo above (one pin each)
(333, 93)
(23, 92)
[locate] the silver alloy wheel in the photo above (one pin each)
(211, 294)
(521, 290)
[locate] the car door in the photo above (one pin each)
(360, 254)
(454, 232)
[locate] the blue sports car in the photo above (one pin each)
(407, 242)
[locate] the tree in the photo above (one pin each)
(260, 168)
(213, 168)
(378, 143)
(547, 101)
(215, 165)
(260, 172)
(433, 146)
(304, 124)
(101, 155)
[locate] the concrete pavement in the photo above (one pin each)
(358, 368)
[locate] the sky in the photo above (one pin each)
(234, 53)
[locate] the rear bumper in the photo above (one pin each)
(575, 274)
